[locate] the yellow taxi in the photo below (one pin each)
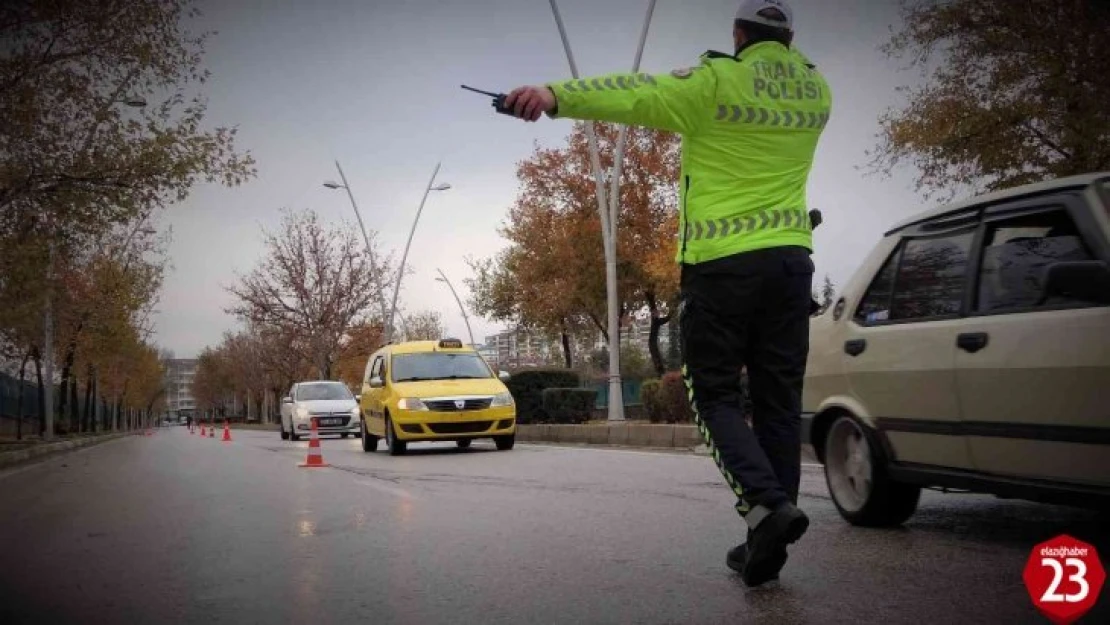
(434, 391)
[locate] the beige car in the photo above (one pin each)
(971, 351)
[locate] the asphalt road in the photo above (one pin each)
(175, 529)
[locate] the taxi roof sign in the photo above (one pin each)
(450, 344)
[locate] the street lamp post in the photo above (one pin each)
(365, 237)
(608, 216)
(388, 313)
(443, 278)
(404, 256)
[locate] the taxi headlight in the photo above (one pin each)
(411, 403)
(502, 399)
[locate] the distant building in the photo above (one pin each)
(515, 349)
(635, 333)
(489, 353)
(180, 373)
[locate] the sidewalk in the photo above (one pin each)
(18, 452)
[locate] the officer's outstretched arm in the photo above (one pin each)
(677, 102)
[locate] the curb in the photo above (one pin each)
(651, 435)
(20, 456)
(625, 435)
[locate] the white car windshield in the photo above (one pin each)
(310, 392)
(438, 366)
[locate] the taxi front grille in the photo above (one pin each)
(467, 427)
(450, 405)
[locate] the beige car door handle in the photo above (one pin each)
(855, 347)
(972, 341)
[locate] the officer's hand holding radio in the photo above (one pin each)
(526, 103)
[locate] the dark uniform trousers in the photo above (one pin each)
(750, 310)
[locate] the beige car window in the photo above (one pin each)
(931, 277)
(875, 305)
(1015, 254)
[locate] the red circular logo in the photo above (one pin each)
(1064, 577)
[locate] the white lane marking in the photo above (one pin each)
(399, 492)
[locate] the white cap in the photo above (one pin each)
(749, 11)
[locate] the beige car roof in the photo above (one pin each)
(1035, 188)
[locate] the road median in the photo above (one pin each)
(650, 435)
(15, 453)
(677, 437)
(261, 427)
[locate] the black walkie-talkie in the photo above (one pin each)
(498, 100)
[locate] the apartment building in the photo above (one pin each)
(180, 373)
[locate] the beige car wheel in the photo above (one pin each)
(856, 474)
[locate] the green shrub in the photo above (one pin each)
(568, 405)
(674, 401)
(652, 401)
(527, 385)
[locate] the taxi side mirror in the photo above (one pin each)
(376, 382)
(504, 376)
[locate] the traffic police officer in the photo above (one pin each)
(750, 124)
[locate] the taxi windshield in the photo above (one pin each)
(312, 392)
(438, 366)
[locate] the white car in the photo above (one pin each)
(330, 403)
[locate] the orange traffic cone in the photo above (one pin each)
(314, 458)
(202, 429)
(227, 432)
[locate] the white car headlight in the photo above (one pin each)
(302, 412)
(502, 399)
(411, 403)
(355, 412)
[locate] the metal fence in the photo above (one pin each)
(103, 415)
(9, 406)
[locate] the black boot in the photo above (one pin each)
(765, 550)
(738, 556)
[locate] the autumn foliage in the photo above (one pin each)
(551, 278)
(1015, 93)
(102, 125)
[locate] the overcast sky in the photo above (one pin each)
(375, 84)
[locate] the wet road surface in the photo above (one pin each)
(175, 529)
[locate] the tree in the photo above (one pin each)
(361, 341)
(825, 298)
(212, 382)
(106, 296)
(551, 278)
(312, 287)
(76, 157)
(425, 326)
(82, 165)
(1013, 94)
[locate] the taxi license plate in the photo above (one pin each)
(331, 421)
